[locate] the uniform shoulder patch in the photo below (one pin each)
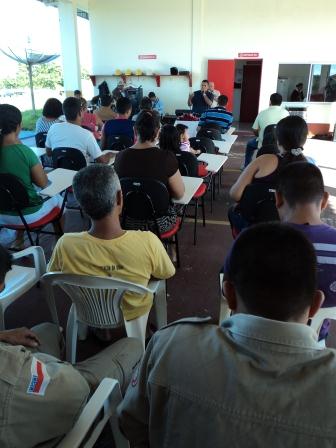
(189, 320)
(39, 380)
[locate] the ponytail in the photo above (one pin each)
(147, 125)
(10, 118)
(291, 133)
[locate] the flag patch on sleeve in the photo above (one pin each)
(39, 378)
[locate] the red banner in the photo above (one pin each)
(147, 56)
(248, 55)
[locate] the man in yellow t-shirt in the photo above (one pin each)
(106, 249)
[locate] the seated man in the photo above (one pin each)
(70, 134)
(122, 125)
(104, 112)
(217, 115)
(106, 249)
(41, 396)
(272, 115)
(156, 103)
(260, 379)
(300, 199)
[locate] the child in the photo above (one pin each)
(184, 139)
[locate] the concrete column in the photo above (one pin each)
(67, 10)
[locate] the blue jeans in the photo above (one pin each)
(252, 145)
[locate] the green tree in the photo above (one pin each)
(44, 76)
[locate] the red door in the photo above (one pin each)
(249, 103)
(222, 72)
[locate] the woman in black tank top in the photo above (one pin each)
(291, 135)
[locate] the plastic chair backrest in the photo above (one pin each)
(321, 315)
(13, 195)
(119, 142)
(68, 158)
(144, 199)
(257, 203)
(204, 144)
(97, 299)
(40, 139)
(188, 164)
(213, 134)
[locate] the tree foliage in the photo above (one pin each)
(44, 76)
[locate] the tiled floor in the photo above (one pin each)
(193, 291)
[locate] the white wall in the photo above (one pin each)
(123, 30)
(186, 33)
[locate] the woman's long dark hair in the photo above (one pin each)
(147, 125)
(291, 133)
(10, 118)
(169, 138)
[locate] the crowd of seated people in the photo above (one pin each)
(266, 349)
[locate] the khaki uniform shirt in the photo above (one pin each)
(41, 398)
(251, 382)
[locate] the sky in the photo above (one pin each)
(31, 24)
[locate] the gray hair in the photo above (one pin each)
(95, 188)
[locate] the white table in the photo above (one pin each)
(214, 161)
(229, 132)
(106, 151)
(60, 180)
(324, 153)
(191, 185)
(224, 145)
(192, 126)
(38, 151)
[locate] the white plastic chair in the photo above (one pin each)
(107, 397)
(321, 315)
(21, 278)
(96, 303)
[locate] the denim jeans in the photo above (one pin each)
(252, 145)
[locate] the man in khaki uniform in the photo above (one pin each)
(42, 397)
(260, 379)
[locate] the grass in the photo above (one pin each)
(29, 119)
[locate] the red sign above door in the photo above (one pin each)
(248, 55)
(147, 56)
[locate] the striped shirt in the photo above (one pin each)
(217, 115)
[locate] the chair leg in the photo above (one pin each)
(71, 336)
(2, 318)
(203, 210)
(177, 251)
(160, 305)
(136, 328)
(195, 220)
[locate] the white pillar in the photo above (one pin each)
(198, 68)
(67, 10)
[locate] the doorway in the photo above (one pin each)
(247, 90)
(239, 80)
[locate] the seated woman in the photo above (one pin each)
(176, 139)
(90, 121)
(51, 113)
(145, 160)
(21, 161)
(291, 133)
